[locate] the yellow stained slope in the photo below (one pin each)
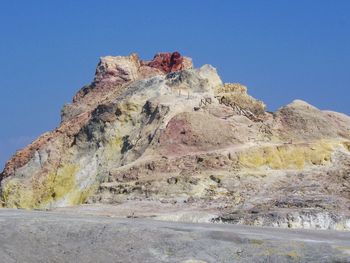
(289, 156)
(42, 190)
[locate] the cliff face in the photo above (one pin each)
(163, 131)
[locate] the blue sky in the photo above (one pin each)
(282, 50)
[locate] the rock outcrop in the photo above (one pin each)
(169, 62)
(162, 131)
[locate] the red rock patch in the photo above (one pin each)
(167, 62)
(195, 131)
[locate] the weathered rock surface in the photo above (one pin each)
(162, 131)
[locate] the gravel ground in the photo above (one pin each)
(37, 236)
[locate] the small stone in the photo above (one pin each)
(172, 180)
(215, 179)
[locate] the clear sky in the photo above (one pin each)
(282, 50)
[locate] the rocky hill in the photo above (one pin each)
(164, 136)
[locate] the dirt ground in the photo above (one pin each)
(73, 236)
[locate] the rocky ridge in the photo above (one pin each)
(164, 132)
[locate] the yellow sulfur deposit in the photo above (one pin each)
(127, 109)
(41, 190)
(234, 93)
(232, 87)
(113, 148)
(78, 197)
(288, 156)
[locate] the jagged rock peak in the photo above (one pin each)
(114, 71)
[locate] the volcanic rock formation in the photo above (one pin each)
(161, 132)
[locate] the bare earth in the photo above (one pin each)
(66, 236)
